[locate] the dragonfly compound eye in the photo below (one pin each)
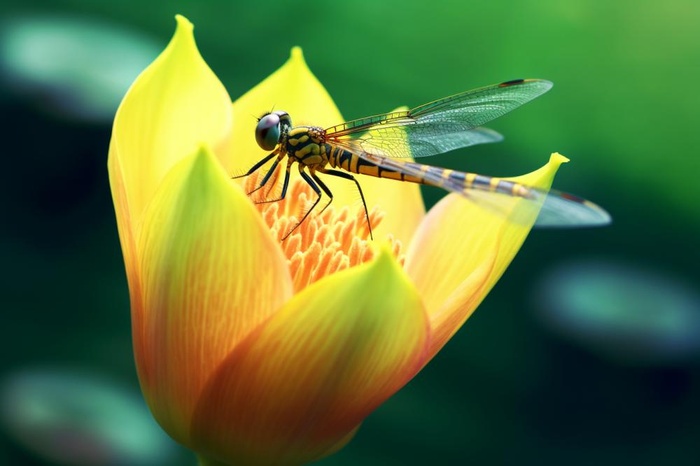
(267, 133)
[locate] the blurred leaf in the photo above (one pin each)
(78, 66)
(79, 418)
(623, 312)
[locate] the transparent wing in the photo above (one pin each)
(439, 126)
(551, 208)
(560, 209)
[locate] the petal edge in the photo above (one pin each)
(297, 389)
(211, 273)
(461, 250)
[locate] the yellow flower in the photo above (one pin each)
(254, 351)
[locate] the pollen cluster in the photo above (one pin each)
(325, 242)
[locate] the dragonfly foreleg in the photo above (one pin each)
(267, 176)
(255, 167)
(285, 184)
(348, 176)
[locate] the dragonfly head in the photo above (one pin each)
(271, 129)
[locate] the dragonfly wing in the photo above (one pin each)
(550, 209)
(561, 209)
(397, 143)
(479, 106)
(440, 126)
(423, 144)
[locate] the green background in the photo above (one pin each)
(511, 387)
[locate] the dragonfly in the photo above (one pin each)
(382, 146)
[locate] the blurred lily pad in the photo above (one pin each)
(626, 313)
(79, 418)
(76, 66)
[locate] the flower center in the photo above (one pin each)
(325, 242)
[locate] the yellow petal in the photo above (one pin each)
(294, 89)
(211, 273)
(460, 251)
(299, 386)
(175, 105)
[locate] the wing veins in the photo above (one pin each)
(440, 126)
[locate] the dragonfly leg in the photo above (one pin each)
(255, 167)
(325, 189)
(285, 185)
(310, 181)
(348, 176)
(267, 176)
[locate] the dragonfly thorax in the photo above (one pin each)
(306, 145)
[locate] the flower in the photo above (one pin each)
(254, 351)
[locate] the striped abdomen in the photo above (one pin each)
(425, 174)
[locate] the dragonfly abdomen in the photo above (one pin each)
(426, 174)
(348, 161)
(446, 178)
(485, 183)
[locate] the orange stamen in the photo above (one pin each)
(323, 243)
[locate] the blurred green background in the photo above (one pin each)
(587, 350)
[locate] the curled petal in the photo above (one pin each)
(299, 386)
(461, 249)
(211, 273)
(175, 105)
